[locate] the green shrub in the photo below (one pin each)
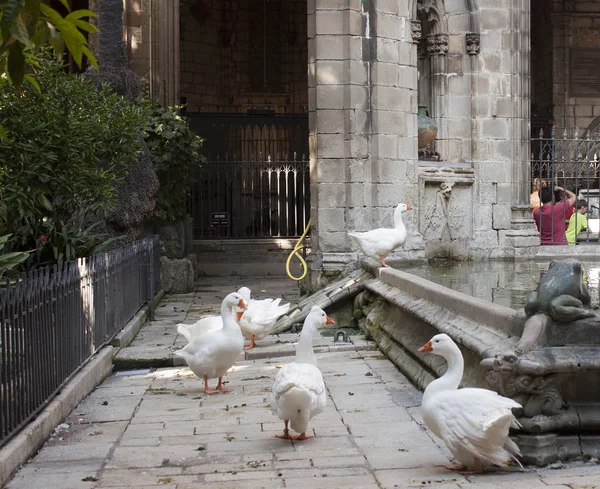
(10, 260)
(66, 149)
(175, 153)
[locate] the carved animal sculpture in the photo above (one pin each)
(561, 296)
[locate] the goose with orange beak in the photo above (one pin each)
(379, 243)
(473, 423)
(212, 354)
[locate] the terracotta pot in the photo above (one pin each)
(427, 127)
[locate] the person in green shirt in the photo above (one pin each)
(578, 222)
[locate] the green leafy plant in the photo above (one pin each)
(28, 25)
(66, 241)
(8, 261)
(175, 152)
(67, 148)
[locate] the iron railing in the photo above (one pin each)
(53, 320)
(571, 160)
(259, 198)
(256, 181)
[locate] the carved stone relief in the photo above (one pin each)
(447, 211)
(429, 10)
(536, 393)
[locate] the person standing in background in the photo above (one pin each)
(550, 217)
(578, 222)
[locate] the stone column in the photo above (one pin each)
(362, 122)
(164, 59)
(522, 240)
(137, 35)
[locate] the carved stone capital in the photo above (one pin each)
(473, 43)
(437, 44)
(415, 31)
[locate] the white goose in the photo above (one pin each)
(472, 422)
(212, 354)
(201, 327)
(299, 393)
(258, 319)
(379, 243)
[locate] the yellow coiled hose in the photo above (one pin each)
(295, 252)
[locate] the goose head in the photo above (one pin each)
(235, 300)
(404, 207)
(245, 293)
(440, 344)
(317, 318)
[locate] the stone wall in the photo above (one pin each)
(151, 34)
(575, 29)
(222, 56)
(362, 121)
(137, 35)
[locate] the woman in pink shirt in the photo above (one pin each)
(550, 217)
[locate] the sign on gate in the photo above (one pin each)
(220, 219)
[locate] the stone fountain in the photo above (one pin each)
(554, 369)
(546, 357)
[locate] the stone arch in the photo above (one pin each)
(449, 39)
(594, 127)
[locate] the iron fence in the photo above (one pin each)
(569, 160)
(54, 319)
(256, 181)
(260, 197)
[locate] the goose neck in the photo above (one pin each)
(398, 223)
(227, 316)
(451, 378)
(305, 352)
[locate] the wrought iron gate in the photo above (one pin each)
(256, 181)
(570, 159)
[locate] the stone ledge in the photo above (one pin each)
(507, 320)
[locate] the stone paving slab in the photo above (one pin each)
(177, 437)
(157, 341)
(155, 428)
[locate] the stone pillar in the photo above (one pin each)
(137, 35)
(522, 240)
(362, 122)
(164, 49)
(503, 226)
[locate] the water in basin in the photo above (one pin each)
(506, 283)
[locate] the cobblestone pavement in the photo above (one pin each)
(155, 428)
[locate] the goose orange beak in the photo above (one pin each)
(409, 208)
(239, 315)
(426, 347)
(242, 304)
(329, 321)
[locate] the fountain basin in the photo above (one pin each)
(557, 382)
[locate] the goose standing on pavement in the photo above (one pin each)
(473, 423)
(299, 393)
(212, 354)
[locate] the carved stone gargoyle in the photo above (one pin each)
(515, 377)
(562, 296)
